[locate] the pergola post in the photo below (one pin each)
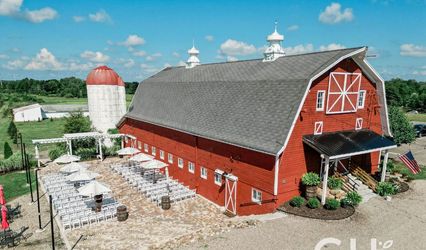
(122, 142)
(167, 172)
(325, 180)
(69, 142)
(385, 164)
(100, 148)
(37, 155)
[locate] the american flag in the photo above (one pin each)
(410, 162)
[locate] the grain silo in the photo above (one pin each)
(106, 98)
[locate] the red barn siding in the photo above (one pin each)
(298, 158)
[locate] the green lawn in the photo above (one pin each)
(15, 184)
(417, 117)
(63, 100)
(32, 130)
(401, 168)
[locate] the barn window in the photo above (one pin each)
(318, 128)
(180, 162)
(361, 99)
(145, 147)
(139, 145)
(218, 178)
(191, 167)
(320, 100)
(170, 158)
(358, 124)
(153, 151)
(256, 195)
(343, 90)
(161, 154)
(204, 173)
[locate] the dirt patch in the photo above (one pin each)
(318, 213)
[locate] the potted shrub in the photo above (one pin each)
(311, 180)
(313, 203)
(297, 201)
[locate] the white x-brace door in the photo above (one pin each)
(231, 193)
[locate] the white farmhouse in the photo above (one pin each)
(37, 112)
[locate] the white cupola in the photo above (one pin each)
(274, 50)
(193, 57)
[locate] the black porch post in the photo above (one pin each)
(38, 199)
(51, 222)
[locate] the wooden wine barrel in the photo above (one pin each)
(165, 202)
(98, 203)
(311, 191)
(122, 213)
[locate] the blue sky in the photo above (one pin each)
(46, 39)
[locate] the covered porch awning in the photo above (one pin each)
(343, 144)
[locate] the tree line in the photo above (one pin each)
(408, 94)
(66, 87)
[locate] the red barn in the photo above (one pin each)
(243, 133)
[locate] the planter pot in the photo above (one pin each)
(310, 191)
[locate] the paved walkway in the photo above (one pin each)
(402, 220)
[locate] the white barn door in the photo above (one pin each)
(231, 193)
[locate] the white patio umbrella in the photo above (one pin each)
(66, 159)
(93, 188)
(82, 175)
(153, 164)
(141, 157)
(73, 167)
(128, 151)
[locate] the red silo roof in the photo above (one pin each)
(103, 75)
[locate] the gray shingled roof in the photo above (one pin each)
(250, 104)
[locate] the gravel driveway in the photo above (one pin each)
(403, 220)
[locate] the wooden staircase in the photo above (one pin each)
(366, 178)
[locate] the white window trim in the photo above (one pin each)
(318, 128)
(216, 182)
(139, 145)
(201, 173)
(358, 123)
(154, 151)
(161, 154)
(180, 163)
(253, 199)
(170, 158)
(145, 147)
(322, 101)
(189, 167)
(363, 99)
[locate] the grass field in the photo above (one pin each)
(30, 131)
(63, 100)
(15, 184)
(417, 117)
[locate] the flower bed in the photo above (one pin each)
(318, 213)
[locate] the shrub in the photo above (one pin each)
(331, 204)
(12, 130)
(7, 150)
(311, 179)
(335, 183)
(345, 202)
(353, 198)
(86, 153)
(313, 203)
(386, 188)
(12, 163)
(56, 152)
(297, 201)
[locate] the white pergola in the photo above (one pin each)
(68, 138)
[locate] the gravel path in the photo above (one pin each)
(402, 220)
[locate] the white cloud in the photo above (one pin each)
(166, 65)
(41, 15)
(209, 38)
(140, 53)
(78, 19)
(299, 49)
(15, 64)
(331, 46)
(148, 68)
(333, 14)
(410, 49)
(129, 63)
(77, 66)
(181, 63)
(421, 71)
(100, 17)
(13, 8)
(2, 56)
(44, 60)
(10, 7)
(132, 41)
(152, 57)
(175, 54)
(293, 27)
(97, 56)
(231, 58)
(235, 48)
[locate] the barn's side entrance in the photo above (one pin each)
(231, 183)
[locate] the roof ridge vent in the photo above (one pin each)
(193, 57)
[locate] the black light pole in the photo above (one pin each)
(29, 176)
(38, 199)
(51, 222)
(22, 155)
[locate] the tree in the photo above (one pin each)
(77, 123)
(12, 130)
(402, 130)
(7, 150)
